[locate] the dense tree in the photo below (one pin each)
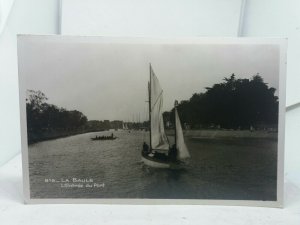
(43, 116)
(233, 103)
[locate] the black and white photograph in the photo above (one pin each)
(161, 119)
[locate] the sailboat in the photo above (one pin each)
(159, 153)
(125, 126)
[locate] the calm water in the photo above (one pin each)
(218, 169)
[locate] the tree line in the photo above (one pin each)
(47, 121)
(42, 116)
(232, 104)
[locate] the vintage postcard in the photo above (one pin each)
(152, 121)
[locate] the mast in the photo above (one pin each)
(175, 109)
(149, 91)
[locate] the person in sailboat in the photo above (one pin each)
(172, 154)
(145, 148)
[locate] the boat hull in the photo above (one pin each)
(103, 139)
(155, 164)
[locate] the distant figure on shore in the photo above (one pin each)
(112, 135)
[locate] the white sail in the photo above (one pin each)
(183, 152)
(158, 137)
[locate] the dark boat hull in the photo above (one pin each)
(155, 163)
(103, 139)
(163, 163)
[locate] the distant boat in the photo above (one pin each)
(104, 138)
(125, 127)
(159, 153)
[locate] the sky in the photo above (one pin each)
(108, 80)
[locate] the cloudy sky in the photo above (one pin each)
(109, 80)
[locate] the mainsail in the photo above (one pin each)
(159, 139)
(183, 152)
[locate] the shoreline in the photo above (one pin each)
(46, 136)
(225, 134)
(193, 134)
